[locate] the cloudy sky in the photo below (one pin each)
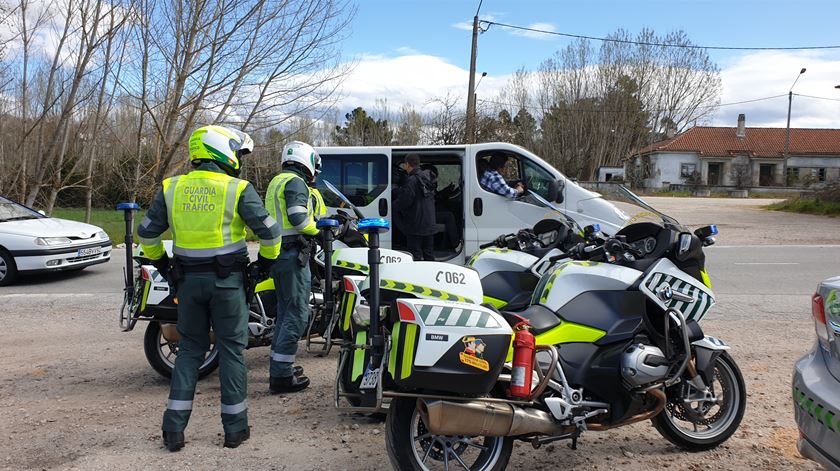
(410, 51)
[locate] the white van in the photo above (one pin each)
(468, 215)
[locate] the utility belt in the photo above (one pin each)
(301, 243)
(222, 266)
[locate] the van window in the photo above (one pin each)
(361, 177)
(537, 179)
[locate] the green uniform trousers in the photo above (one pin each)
(293, 284)
(205, 301)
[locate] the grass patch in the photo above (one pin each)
(112, 222)
(807, 206)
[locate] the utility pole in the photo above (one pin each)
(787, 137)
(469, 127)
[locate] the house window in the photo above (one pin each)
(687, 170)
(821, 174)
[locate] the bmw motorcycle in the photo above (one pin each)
(610, 338)
(511, 265)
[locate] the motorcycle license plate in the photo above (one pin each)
(89, 251)
(370, 379)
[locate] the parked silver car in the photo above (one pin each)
(816, 382)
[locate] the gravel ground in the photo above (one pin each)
(76, 393)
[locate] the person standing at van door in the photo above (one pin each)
(493, 180)
(288, 201)
(414, 209)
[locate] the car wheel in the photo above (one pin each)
(8, 269)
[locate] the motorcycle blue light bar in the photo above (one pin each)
(713, 229)
(368, 224)
(596, 227)
(128, 206)
(324, 223)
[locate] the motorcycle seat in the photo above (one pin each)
(540, 317)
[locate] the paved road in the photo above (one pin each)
(754, 269)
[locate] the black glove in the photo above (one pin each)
(265, 264)
(162, 264)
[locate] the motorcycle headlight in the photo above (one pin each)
(102, 235)
(53, 241)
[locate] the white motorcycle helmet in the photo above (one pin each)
(304, 155)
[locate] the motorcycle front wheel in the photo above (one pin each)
(411, 447)
(703, 425)
(161, 353)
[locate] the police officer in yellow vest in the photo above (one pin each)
(319, 208)
(288, 200)
(207, 211)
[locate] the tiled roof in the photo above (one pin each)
(758, 142)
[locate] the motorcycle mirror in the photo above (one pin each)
(684, 246)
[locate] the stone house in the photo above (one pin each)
(755, 155)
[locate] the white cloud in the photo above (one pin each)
(535, 34)
(763, 74)
(413, 79)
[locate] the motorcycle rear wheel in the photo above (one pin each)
(681, 424)
(161, 354)
(411, 447)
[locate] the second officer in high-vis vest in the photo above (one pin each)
(288, 201)
(207, 211)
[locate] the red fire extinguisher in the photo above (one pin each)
(524, 349)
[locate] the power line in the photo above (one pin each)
(817, 97)
(479, 7)
(645, 43)
(591, 110)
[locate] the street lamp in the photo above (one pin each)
(787, 138)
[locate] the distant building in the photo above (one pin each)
(606, 174)
(720, 155)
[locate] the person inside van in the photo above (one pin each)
(492, 179)
(414, 208)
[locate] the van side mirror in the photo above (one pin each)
(555, 191)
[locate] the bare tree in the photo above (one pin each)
(445, 124)
(249, 63)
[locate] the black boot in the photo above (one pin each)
(288, 384)
(297, 370)
(173, 441)
(234, 439)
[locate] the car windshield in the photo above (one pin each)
(11, 211)
(636, 209)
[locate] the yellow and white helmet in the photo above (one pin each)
(304, 155)
(221, 145)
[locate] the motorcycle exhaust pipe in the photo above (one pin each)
(488, 419)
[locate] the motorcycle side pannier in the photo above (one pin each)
(447, 347)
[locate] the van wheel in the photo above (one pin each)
(410, 446)
(8, 268)
(161, 353)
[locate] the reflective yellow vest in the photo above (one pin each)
(275, 203)
(319, 209)
(202, 211)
